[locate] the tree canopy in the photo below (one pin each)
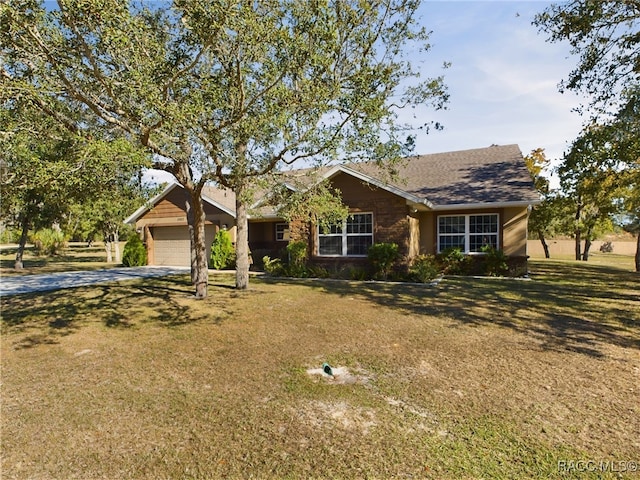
(605, 34)
(224, 91)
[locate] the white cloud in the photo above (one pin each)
(503, 80)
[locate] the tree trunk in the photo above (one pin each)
(116, 246)
(587, 246)
(578, 241)
(107, 248)
(19, 265)
(545, 247)
(638, 254)
(196, 222)
(242, 242)
(578, 231)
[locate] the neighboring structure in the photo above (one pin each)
(465, 199)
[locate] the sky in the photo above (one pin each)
(503, 79)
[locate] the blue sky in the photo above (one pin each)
(502, 81)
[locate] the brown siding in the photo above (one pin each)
(514, 233)
(171, 211)
(390, 211)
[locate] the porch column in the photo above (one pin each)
(414, 236)
(148, 239)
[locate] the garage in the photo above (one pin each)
(172, 247)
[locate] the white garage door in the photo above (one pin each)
(171, 245)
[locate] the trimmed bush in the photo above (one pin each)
(424, 268)
(223, 255)
(297, 254)
(382, 257)
(272, 266)
(454, 262)
(49, 242)
(135, 253)
(495, 262)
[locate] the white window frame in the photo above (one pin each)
(467, 233)
(344, 235)
(281, 234)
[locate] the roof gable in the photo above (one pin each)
(222, 199)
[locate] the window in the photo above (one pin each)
(353, 238)
(282, 232)
(469, 233)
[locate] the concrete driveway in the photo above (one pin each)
(15, 285)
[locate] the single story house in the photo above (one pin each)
(464, 199)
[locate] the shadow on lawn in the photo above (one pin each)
(44, 318)
(565, 306)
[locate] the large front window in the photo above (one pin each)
(352, 238)
(469, 233)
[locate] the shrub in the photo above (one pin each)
(495, 262)
(382, 257)
(297, 253)
(223, 255)
(272, 266)
(357, 273)
(49, 242)
(424, 268)
(454, 262)
(135, 253)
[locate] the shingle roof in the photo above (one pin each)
(464, 178)
(222, 196)
(495, 174)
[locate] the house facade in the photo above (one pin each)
(465, 199)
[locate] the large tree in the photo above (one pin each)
(592, 178)
(542, 215)
(226, 91)
(48, 170)
(605, 34)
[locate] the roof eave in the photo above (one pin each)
(373, 181)
(212, 202)
(133, 218)
(484, 205)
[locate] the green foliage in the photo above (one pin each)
(383, 257)
(135, 253)
(273, 266)
(49, 241)
(424, 268)
(223, 254)
(453, 261)
(297, 255)
(495, 262)
(233, 93)
(357, 273)
(321, 204)
(604, 35)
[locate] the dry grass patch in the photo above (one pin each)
(474, 378)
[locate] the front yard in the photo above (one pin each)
(472, 378)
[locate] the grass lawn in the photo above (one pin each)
(77, 256)
(472, 378)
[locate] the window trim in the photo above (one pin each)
(344, 235)
(467, 234)
(286, 227)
